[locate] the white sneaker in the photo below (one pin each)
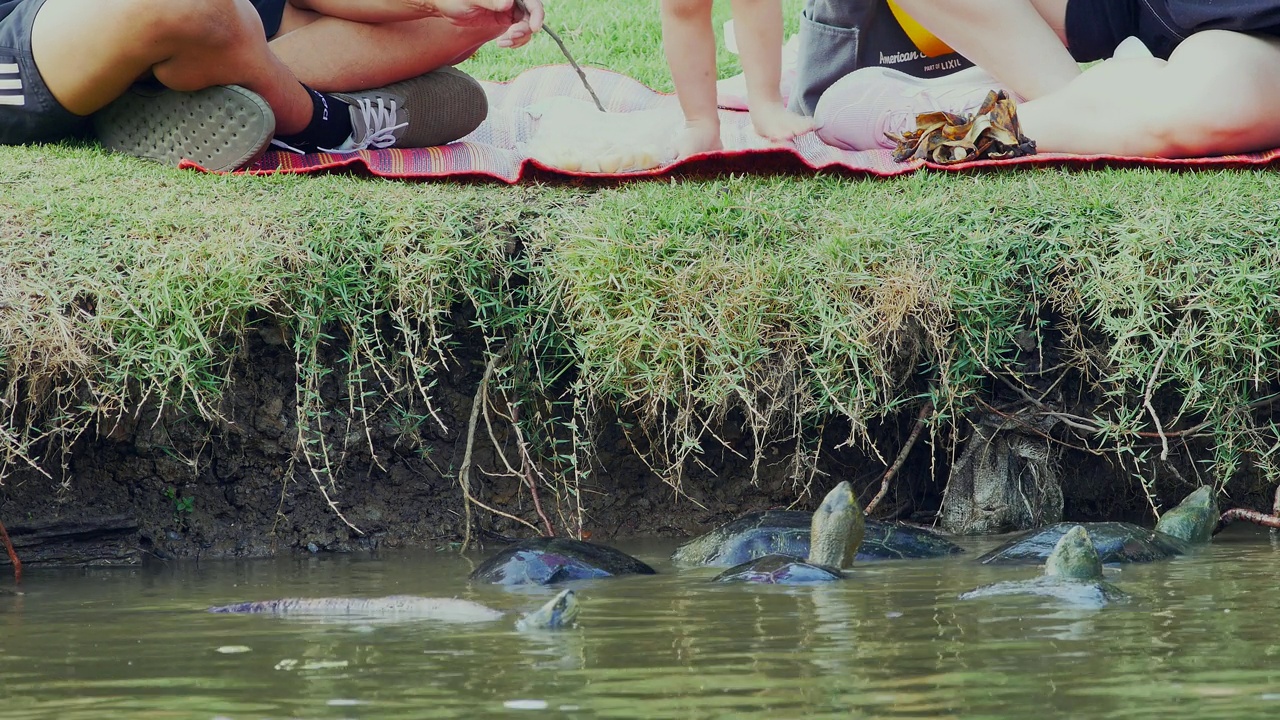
(857, 111)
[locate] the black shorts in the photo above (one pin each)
(1096, 27)
(271, 12)
(28, 111)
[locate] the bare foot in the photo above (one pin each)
(698, 137)
(774, 122)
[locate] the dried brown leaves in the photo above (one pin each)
(943, 138)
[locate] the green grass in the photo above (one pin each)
(793, 300)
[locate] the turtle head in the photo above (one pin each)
(1194, 519)
(1074, 557)
(559, 612)
(837, 530)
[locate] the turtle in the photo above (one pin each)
(837, 529)
(1072, 574)
(559, 612)
(542, 561)
(1179, 531)
(787, 532)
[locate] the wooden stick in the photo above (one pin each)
(568, 56)
(13, 556)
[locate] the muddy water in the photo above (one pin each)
(1200, 640)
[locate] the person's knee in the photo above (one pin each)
(210, 23)
(685, 9)
(1216, 92)
(926, 10)
(1208, 45)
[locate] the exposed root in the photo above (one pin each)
(528, 464)
(1253, 516)
(1151, 409)
(309, 398)
(464, 473)
(921, 420)
(333, 504)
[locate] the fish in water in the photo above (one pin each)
(560, 612)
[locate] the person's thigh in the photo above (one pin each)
(29, 111)
(291, 17)
(1054, 13)
(333, 55)
(1215, 95)
(89, 52)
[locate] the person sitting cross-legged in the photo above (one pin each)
(217, 80)
(1187, 86)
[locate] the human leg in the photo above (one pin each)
(90, 52)
(1216, 95)
(689, 43)
(417, 99)
(758, 25)
(1020, 42)
(28, 110)
(336, 55)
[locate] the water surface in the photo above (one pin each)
(1200, 640)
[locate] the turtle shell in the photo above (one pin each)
(779, 570)
(542, 561)
(1087, 594)
(1117, 542)
(786, 532)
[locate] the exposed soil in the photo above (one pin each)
(176, 487)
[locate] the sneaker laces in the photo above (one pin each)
(286, 146)
(380, 126)
(379, 123)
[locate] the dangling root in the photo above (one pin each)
(13, 556)
(464, 473)
(1253, 516)
(1272, 521)
(921, 420)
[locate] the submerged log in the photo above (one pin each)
(109, 540)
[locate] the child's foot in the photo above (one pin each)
(775, 122)
(698, 137)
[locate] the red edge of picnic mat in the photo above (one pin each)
(494, 150)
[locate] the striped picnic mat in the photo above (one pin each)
(494, 150)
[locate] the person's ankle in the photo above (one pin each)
(329, 127)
